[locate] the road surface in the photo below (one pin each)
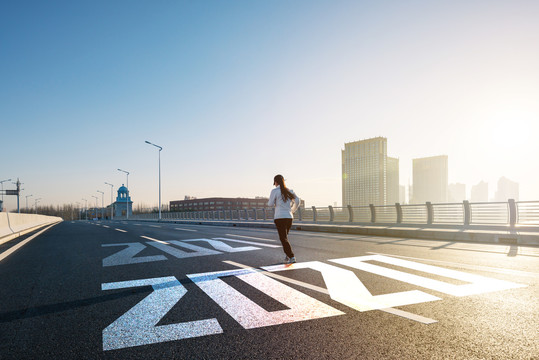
(135, 290)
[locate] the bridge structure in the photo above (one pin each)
(213, 285)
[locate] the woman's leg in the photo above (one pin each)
(283, 226)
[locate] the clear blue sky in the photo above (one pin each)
(237, 91)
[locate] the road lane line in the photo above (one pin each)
(185, 229)
(152, 239)
(120, 230)
(248, 242)
(14, 248)
(397, 312)
(105, 226)
(250, 237)
(472, 267)
(155, 226)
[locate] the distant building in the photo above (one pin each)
(364, 172)
(123, 203)
(392, 181)
(456, 192)
(430, 179)
(209, 204)
(507, 189)
(479, 192)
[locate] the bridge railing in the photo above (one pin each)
(510, 213)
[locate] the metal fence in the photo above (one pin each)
(510, 213)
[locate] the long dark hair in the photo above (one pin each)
(285, 193)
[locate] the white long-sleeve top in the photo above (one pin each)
(283, 209)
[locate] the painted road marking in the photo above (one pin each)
(476, 284)
(152, 239)
(249, 242)
(345, 287)
(251, 237)
(401, 313)
(138, 326)
(185, 229)
(472, 267)
(180, 254)
(14, 248)
(120, 230)
(105, 226)
(127, 256)
(155, 226)
(248, 314)
(219, 245)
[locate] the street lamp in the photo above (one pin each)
(96, 199)
(86, 208)
(35, 202)
(102, 204)
(111, 205)
(160, 148)
(27, 196)
(127, 195)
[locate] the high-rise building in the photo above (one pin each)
(479, 192)
(507, 189)
(392, 181)
(364, 171)
(430, 179)
(456, 192)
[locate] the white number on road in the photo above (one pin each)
(138, 326)
(127, 256)
(250, 315)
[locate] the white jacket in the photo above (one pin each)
(283, 209)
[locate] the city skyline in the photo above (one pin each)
(238, 92)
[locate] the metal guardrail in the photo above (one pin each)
(510, 213)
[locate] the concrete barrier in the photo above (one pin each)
(14, 225)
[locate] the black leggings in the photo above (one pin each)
(283, 227)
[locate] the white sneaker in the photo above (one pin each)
(286, 260)
(292, 260)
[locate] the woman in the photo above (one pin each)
(281, 198)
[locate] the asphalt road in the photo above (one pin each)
(117, 290)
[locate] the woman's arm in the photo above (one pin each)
(271, 201)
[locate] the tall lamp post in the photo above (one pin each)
(111, 205)
(127, 196)
(86, 208)
(27, 196)
(35, 202)
(102, 204)
(96, 200)
(160, 148)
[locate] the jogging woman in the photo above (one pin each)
(281, 198)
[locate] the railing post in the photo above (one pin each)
(398, 207)
(331, 213)
(299, 214)
(314, 214)
(350, 213)
(512, 212)
(467, 212)
(255, 215)
(264, 212)
(373, 213)
(430, 212)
